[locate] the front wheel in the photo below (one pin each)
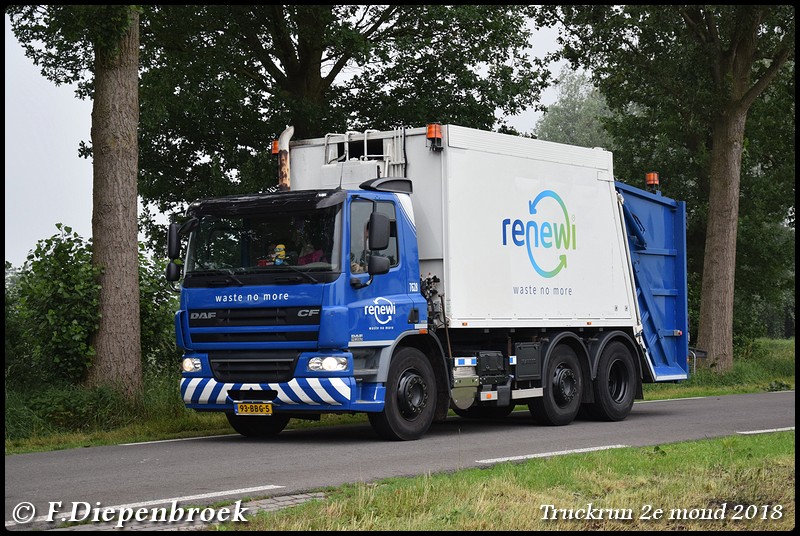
(562, 389)
(410, 398)
(257, 426)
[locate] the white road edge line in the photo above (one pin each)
(769, 431)
(670, 399)
(548, 454)
(168, 501)
(173, 440)
(701, 397)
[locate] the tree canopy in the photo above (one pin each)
(219, 83)
(576, 118)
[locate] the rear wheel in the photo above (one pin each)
(257, 426)
(615, 386)
(563, 389)
(410, 398)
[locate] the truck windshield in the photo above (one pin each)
(241, 243)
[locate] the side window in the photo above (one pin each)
(359, 233)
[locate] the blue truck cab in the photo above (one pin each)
(305, 333)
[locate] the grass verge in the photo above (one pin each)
(730, 483)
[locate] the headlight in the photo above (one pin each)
(191, 364)
(328, 364)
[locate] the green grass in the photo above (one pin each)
(70, 417)
(698, 478)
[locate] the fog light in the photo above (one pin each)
(328, 364)
(191, 364)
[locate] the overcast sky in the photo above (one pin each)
(46, 182)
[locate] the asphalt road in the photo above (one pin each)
(207, 470)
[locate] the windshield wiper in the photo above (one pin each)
(301, 272)
(227, 272)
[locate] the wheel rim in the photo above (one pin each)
(412, 394)
(618, 381)
(565, 385)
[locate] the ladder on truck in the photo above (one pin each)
(354, 145)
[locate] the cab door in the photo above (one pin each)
(380, 308)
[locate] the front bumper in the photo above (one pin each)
(315, 395)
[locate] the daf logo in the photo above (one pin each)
(203, 316)
(308, 312)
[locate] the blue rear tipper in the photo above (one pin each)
(656, 228)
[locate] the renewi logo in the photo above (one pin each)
(382, 310)
(547, 236)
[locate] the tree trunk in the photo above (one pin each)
(715, 332)
(115, 119)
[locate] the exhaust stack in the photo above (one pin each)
(284, 180)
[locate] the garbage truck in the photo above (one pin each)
(412, 272)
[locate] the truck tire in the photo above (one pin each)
(484, 412)
(615, 386)
(410, 398)
(257, 426)
(563, 389)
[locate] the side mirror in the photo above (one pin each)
(174, 236)
(174, 242)
(173, 271)
(379, 229)
(377, 265)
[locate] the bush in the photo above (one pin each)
(52, 313)
(57, 309)
(158, 303)
(17, 364)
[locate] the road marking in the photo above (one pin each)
(790, 391)
(166, 501)
(178, 439)
(670, 399)
(193, 438)
(768, 431)
(548, 454)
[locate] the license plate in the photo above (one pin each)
(253, 408)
